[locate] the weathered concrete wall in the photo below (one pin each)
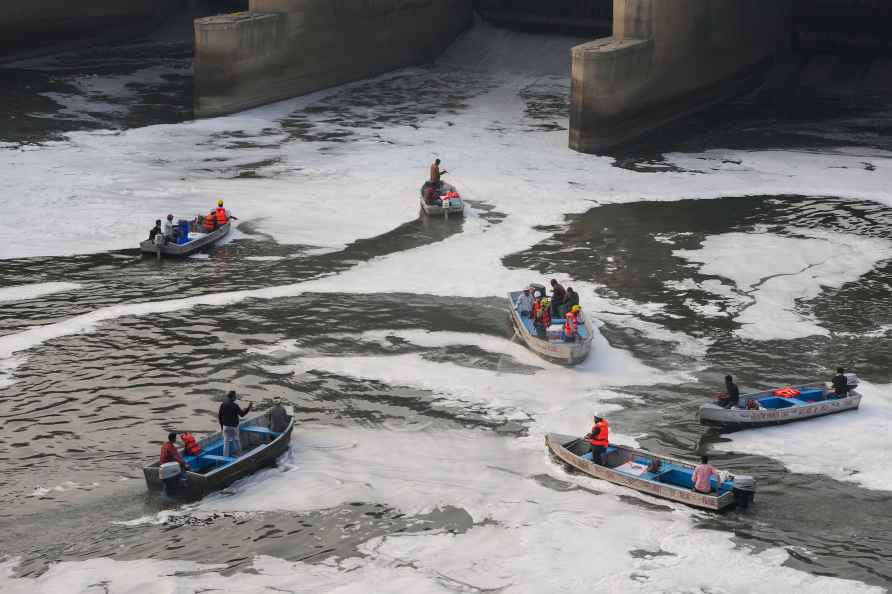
(285, 48)
(27, 25)
(667, 59)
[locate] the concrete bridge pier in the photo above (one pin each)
(667, 59)
(284, 48)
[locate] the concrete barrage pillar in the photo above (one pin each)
(285, 48)
(667, 59)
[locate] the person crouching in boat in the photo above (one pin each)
(702, 473)
(599, 440)
(156, 231)
(210, 222)
(170, 453)
(840, 383)
(732, 394)
(524, 303)
(571, 327)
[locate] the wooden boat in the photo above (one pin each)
(813, 400)
(196, 242)
(630, 467)
(211, 471)
(554, 349)
(442, 206)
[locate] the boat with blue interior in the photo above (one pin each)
(778, 406)
(441, 200)
(210, 470)
(552, 346)
(661, 476)
(191, 239)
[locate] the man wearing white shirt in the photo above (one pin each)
(169, 230)
(524, 304)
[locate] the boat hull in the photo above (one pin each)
(259, 452)
(716, 416)
(456, 206)
(562, 353)
(182, 250)
(568, 449)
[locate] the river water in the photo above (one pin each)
(755, 244)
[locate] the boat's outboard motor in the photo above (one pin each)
(744, 488)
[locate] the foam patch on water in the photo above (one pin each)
(861, 441)
(774, 273)
(551, 389)
(35, 290)
(531, 534)
(43, 492)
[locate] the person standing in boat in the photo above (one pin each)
(599, 440)
(278, 416)
(524, 303)
(702, 474)
(229, 419)
(732, 394)
(436, 173)
(169, 230)
(558, 295)
(840, 383)
(170, 453)
(542, 317)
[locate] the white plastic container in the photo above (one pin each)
(168, 470)
(555, 332)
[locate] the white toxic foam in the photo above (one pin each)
(528, 537)
(550, 388)
(774, 274)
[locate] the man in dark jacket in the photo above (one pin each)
(558, 294)
(155, 230)
(732, 400)
(229, 418)
(840, 383)
(570, 299)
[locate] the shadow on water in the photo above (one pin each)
(809, 101)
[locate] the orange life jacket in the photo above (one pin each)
(786, 392)
(190, 444)
(222, 219)
(546, 317)
(570, 324)
(600, 431)
(209, 222)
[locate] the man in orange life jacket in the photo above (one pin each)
(598, 438)
(571, 327)
(190, 444)
(210, 222)
(220, 214)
